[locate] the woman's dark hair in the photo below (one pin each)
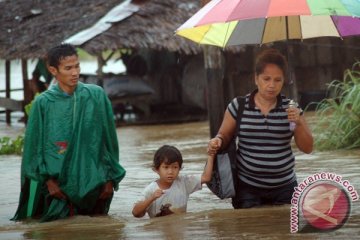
(270, 56)
(168, 155)
(57, 53)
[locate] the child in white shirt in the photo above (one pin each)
(169, 194)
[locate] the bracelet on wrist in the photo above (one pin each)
(220, 137)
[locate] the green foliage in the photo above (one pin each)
(8, 146)
(117, 54)
(28, 108)
(338, 118)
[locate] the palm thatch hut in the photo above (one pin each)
(31, 27)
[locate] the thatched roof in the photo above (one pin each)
(152, 26)
(30, 27)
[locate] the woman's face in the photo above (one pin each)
(270, 81)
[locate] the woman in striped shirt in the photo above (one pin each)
(265, 160)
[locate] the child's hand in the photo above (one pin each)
(214, 146)
(158, 193)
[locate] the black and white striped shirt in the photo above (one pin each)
(264, 157)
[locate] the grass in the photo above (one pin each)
(338, 118)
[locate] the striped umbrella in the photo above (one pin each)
(233, 22)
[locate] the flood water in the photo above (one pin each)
(208, 217)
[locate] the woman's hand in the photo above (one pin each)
(214, 145)
(302, 133)
(224, 135)
(293, 114)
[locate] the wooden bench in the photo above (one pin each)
(11, 105)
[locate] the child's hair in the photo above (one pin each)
(168, 155)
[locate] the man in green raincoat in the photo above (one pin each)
(70, 162)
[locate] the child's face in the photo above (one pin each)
(168, 172)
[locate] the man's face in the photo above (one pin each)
(67, 73)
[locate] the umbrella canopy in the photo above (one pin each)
(234, 22)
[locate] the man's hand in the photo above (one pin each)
(107, 191)
(54, 190)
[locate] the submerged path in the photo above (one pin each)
(207, 217)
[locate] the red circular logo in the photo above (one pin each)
(325, 206)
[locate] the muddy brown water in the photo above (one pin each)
(207, 218)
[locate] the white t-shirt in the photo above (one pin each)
(174, 199)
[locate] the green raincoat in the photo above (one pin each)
(71, 138)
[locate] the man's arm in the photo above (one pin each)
(33, 163)
(115, 172)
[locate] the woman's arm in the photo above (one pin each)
(225, 134)
(302, 134)
(303, 137)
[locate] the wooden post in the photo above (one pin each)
(214, 69)
(27, 92)
(293, 90)
(99, 71)
(215, 93)
(7, 89)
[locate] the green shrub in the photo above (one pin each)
(8, 146)
(338, 118)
